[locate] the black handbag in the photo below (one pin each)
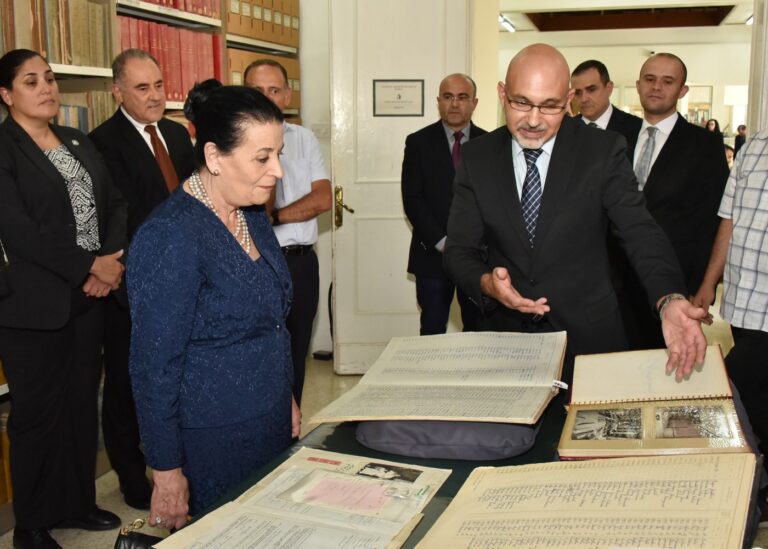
(129, 538)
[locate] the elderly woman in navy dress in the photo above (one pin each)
(209, 292)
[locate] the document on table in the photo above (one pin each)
(318, 500)
(485, 376)
(661, 502)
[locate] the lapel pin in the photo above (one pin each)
(75, 142)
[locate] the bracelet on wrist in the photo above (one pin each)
(666, 301)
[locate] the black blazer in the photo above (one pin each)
(427, 187)
(133, 166)
(37, 227)
(683, 193)
(589, 183)
(627, 125)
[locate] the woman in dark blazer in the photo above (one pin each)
(209, 292)
(63, 226)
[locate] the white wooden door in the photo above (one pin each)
(374, 297)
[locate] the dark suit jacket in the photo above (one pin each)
(623, 123)
(37, 227)
(427, 187)
(683, 194)
(133, 166)
(589, 183)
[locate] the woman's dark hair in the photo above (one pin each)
(716, 128)
(221, 114)
(10, 63)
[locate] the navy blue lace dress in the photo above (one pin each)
(210, 355)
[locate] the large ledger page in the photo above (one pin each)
(470, 358)
(486, 376)
(640, 375)
(469, 403)
(652, 502)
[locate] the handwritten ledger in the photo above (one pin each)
(484, 376)
(320, 500)
(657, 502)
(625, 404)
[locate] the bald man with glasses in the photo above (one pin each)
(530, 214)
(431, 155)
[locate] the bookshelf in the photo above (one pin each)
(80, 38)
(192, 39)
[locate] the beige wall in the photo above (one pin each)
(714, 56)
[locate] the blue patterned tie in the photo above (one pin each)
(531, 199)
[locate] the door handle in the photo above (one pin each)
(340, 206)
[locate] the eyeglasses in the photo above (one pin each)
(450, 98)
(525, 106)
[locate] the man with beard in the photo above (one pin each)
(528, 224)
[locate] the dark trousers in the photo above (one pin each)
(53, 377)
(118, 412)
(747, 369)
(305, 276)
(642, 325)
(434, 296)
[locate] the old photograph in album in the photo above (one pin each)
(320, 500)
(483, 376)
(625, 404)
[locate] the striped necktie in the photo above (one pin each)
(531, 199)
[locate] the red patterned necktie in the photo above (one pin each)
(456, 151)
(163, 160)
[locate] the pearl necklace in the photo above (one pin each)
(241, 227)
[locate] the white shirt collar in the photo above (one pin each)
(602, 120)
(546, 148)
(136, 124)
(665, 126)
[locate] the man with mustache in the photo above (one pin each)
(147, 156)
(429, 165)
(528, 224)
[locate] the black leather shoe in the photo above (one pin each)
(33, 539)
(137, 494)
(96, 519)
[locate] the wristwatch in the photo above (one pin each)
(666, 301)
(275, 217)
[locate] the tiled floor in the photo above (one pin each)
(322, 386)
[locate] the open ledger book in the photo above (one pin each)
(697, 501)
(484, 376)
(625, 404)
(320, 500)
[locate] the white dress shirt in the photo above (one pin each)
(602, 120)
(302, 164)
(664, 129)
(542, 163)
(144, 135)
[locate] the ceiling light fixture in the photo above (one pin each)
(506, 23)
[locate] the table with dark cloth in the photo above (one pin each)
(340, 437)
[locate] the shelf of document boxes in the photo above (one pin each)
(254, 44)
(164, 14)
